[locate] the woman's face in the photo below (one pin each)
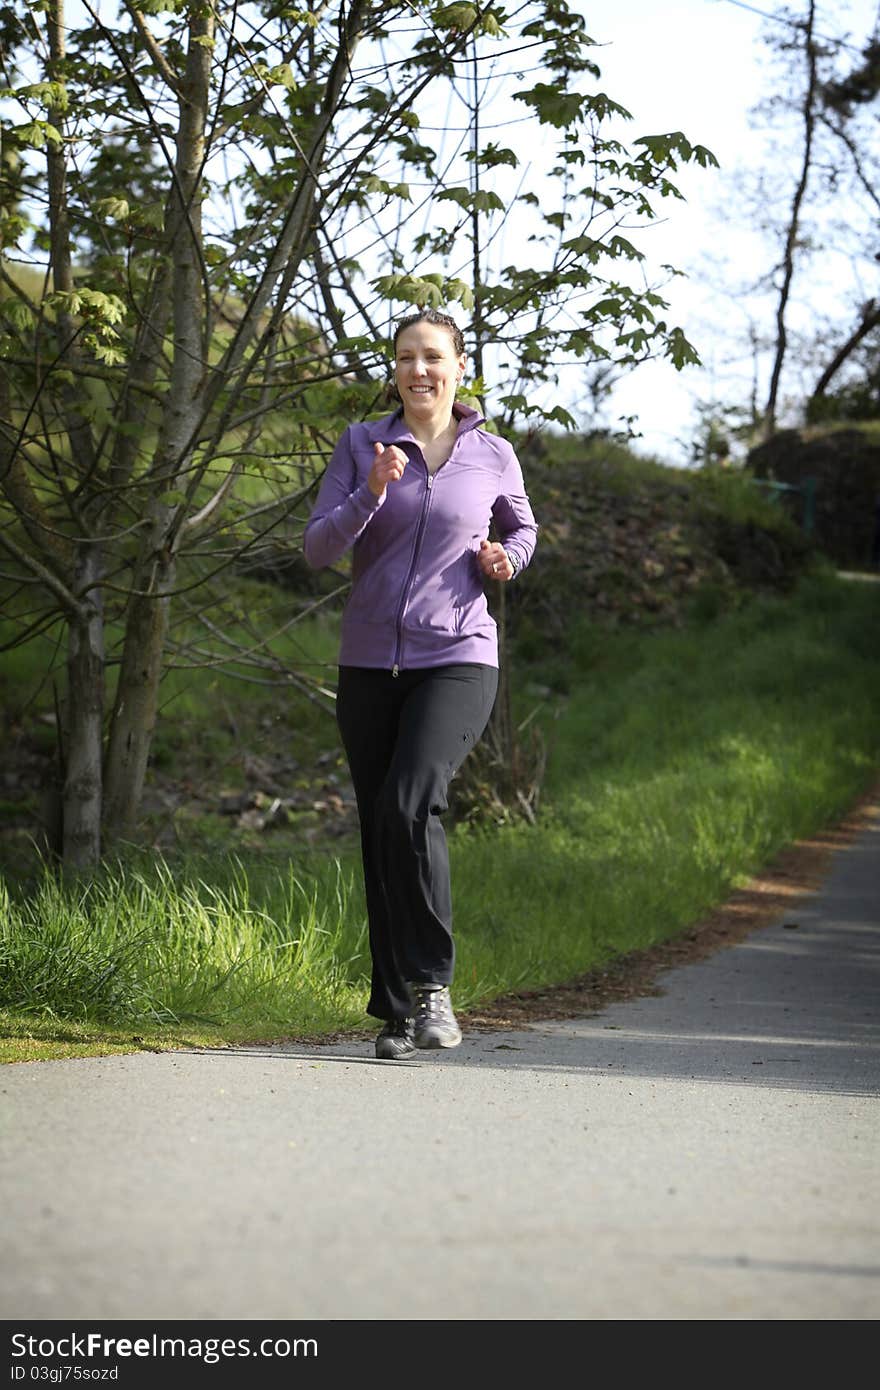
(427, 370)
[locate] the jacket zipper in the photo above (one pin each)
(395, 670)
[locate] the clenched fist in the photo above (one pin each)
(494, 562)
(388, 466)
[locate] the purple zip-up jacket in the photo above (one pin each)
(417, 596)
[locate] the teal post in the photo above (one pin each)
(809, 491)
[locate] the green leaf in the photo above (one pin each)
(114, 207)
(373, 184)
(410, 289)
(666, 150)
(619, 246)
(458, 291)
(68, 301)
(586, 246)
(161, 6)
(462, 196)
(282, 76)
(680, 351)
(461, 17)
(16, 312)
(516, 403)
(607, 308)
(297, 16)
(636, 341)
(705, 158)
(360, 342)
(431, 289)
(151, 215)
(54, 94)
(481, 201)
(552, 104)
(492, 156)
(37, 134)
(106, 307)
(561, 416)
(602, 106)
(110, 355)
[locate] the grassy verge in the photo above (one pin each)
(681, 761)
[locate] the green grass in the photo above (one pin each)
(162, 947)
(680, 762)
(738, 496)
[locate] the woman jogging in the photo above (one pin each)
(413, 496)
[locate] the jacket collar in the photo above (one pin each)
(392, 429)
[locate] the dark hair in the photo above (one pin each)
(432, 316)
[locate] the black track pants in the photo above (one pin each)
(405, 736)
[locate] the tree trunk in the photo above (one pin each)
(809, 115)
(136, 704)
(137, 691)
(81, 795)
(190, 397)
(79, 431)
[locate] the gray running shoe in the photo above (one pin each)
(435, 1023)
(395, 1040)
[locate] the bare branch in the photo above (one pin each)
(49, 580)
(152, 46)
(870, 319)
(838, 129)
(809, 122)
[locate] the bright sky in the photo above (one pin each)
(698, 66)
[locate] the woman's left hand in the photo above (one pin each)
(493, 561)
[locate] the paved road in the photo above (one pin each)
(709, 1153)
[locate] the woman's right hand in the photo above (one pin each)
(388, 466)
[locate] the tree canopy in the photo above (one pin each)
(210, 215)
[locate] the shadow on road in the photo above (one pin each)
(792, 1009)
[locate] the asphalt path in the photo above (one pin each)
(710, 1152)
